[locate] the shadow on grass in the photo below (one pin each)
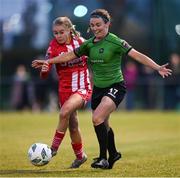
(64, 172)
(24, 171)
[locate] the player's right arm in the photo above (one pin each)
(65, 57)
(77, 52)
(38, 63)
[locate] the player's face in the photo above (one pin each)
(99, 27)
(61, 33)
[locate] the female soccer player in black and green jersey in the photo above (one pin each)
(105, 52)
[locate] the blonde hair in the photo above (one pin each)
(68, 24)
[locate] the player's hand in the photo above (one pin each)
(164, 71)
(38, 63)
(45, 67)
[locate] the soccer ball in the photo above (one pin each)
(39, 154)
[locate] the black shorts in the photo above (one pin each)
(116, 92)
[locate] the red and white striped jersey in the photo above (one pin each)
(73, 75)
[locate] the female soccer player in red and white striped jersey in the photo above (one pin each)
(74, 85)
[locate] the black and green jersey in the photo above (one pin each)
(105, 59)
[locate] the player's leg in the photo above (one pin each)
(102, 112)
(73, 103)
(111, 140)
(116, 92)
(75, 131)
(114, 155)
(103, 107)
(69, 106)
(76, 141)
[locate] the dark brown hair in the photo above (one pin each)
(101, 13)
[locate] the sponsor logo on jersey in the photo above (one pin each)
(97, 61)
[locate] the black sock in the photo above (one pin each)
(111, 143)
(102, 136)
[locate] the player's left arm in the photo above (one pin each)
(142, 58)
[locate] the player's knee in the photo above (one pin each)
(97, 120)
(64, 114)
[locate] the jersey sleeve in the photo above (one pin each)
(82, 50)
(49, 54)
(125, 47)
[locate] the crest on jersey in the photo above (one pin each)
(101, 50)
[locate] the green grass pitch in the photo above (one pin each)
(149, 142)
